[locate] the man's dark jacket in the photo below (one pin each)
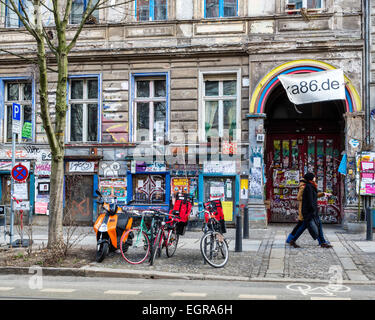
(309, 201)
(310, 209)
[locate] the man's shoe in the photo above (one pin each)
(290, 238)
(326, 245)
(294, 244)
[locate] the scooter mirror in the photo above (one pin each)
(98, 193)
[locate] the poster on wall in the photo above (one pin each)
(224, 167)
(111, 188)
(366, 173)
(217, 189)
(227, 210)
(41, 208)
(180, 185)
(291, 178)
(244, 188)
(42, 168)
(42, 188)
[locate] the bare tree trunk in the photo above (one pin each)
(55, 131)
(55, 229)
(55, 225)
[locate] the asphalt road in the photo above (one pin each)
(34, 286)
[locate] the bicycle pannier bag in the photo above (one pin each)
(215, 207)
(182, 208)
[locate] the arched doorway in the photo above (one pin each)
(301, 138)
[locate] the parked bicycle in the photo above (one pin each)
(166, 235)
(171, 226)
(136, 243)
(213, 245)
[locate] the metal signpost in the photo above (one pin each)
(16, 126)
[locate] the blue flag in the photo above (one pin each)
(342, 167)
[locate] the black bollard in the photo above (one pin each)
(246, 223)
(369, 236)
(238, 247)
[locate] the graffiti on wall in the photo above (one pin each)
(115, 132)
(110, 169)
(350, 183)
(256, 174)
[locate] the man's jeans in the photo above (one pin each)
(303, 227)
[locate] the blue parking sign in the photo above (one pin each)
(16, 112)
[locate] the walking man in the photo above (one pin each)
(308, 209)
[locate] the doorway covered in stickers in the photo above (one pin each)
(300, 139)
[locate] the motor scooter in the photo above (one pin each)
(110, 226)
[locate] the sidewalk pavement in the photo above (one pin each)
(265, 257)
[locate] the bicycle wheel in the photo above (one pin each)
(214, 249)
(134, 246)
(172, 242)
(155, 247)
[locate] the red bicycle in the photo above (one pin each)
(166, 235)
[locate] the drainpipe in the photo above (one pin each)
(367, 28)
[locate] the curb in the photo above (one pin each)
(88, 271)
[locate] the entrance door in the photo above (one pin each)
(78, 199)
(221, 188)
(289, 157)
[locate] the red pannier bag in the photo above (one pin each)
(182, 208)
(215, 207)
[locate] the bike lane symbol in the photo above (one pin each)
(328, 290)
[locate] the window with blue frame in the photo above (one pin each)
(150, 108)
(83, 109)
(151, 10)
(20, 92)
(11, 18)
(79, 7)
(220, 8)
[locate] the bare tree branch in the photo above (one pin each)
(89, 10)
(116, 5)
(33, 61)
(25, 22)
(45, 6)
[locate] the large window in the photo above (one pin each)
(220, 105)
(150, 109)
(150, 10)
(83, 109)
(79, 7)
(220, 8)
(309, 4)
(11, 18)
(20, 93)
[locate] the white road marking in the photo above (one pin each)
(6, 288)
(188, 294)
(329, 298)
(122, 292)
(257, 296)
(57, 290)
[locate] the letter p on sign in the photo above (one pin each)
(16, 118)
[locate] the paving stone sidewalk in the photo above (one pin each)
(264, 255)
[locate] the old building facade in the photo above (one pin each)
(184, 95)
